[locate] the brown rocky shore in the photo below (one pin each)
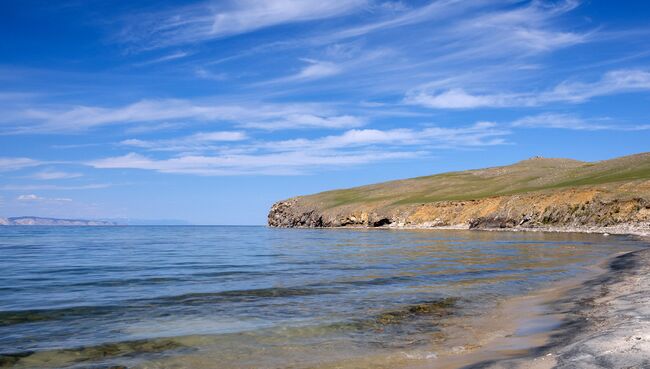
(572, 209)
(560, 194)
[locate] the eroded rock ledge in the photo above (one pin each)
(587, 207)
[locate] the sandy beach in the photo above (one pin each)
(606, 322)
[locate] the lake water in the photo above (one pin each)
(253, 297)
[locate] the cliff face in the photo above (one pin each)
(562, 194)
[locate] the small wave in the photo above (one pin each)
(245, 295)
(189, 299)
(30, 316)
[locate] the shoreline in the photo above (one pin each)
(604, 317)
(605, 324)
(619, 229)
(516, 326)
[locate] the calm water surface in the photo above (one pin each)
(252, 297)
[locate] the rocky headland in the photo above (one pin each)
(535, 194)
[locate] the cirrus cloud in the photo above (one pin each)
(613, 82)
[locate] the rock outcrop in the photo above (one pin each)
(568, 208)
(569, 194)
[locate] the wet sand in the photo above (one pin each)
(518, 327)
(605, 324)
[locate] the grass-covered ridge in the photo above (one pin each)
(529, 175)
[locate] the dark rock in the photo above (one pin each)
(381, 222)
(492, 222)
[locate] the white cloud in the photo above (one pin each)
(164, 58)
(218, 136)
(611, 83)
(28, 187)
(528, 28)
(314, 70)
(54, 174)
(457, 98)
(482, 28)
(308, 121)
(283, 163)
(572, 122)
(274, 116)
(435, 10)
(196, 142)
(10, 164)
(217, 20)
(36, 198)
(31, 197)
(353, 147)
(479, 134)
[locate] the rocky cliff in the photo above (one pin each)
(536, 193)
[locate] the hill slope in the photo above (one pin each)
(531, 193)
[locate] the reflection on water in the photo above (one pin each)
(251, 297)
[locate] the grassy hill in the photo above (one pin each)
(529, 175)
(624, 177)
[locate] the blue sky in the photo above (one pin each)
(210, 111)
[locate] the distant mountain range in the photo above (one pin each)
(147, 222)
(31, 220)
(53, 222)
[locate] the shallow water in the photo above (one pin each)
(253, 297)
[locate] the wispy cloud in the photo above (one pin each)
(36, 198)
(613, 82)
(572, 122)
(314, 70)
(164, 58)
(10, 164)
(285, 163)
(32, 187)
(50, 174)
(479, 134)
(28, 198)
(471, 29)
(342, 60)
(353, 147)
(197, 141)
(300, 120)
(77, 118)
(204, 73)
(210, 21)
(435, 10)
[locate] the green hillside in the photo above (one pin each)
(525, 176)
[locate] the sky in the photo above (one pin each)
(210, 111)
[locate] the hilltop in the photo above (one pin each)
(537, 192)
